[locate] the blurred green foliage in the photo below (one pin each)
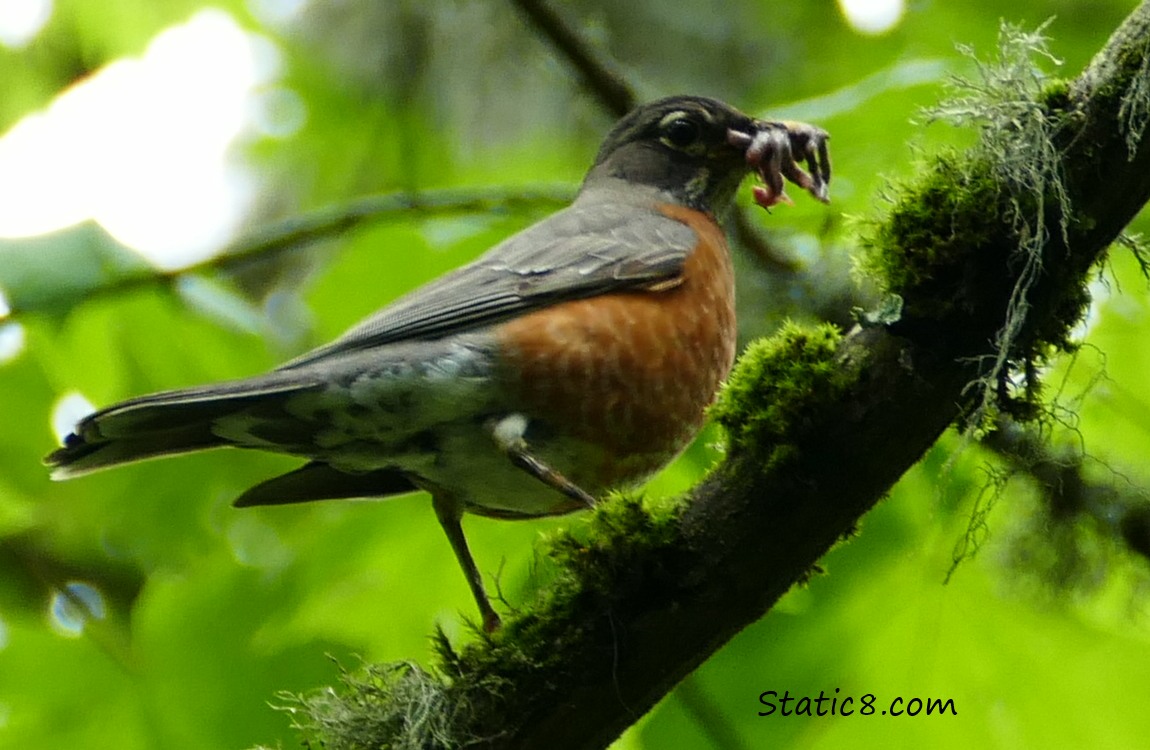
(208, 611)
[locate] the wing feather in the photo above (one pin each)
(579, 252)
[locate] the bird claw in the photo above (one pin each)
(774, 152)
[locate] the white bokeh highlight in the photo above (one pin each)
(22, 20)
(69, 409)
(872, 16)
(11, 341)
(143, 145)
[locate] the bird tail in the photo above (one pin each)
(169, 423)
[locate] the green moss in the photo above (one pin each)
(621, 534)
(774, 389)
(1055, 94)
(922, 250)
(614, 554)
(950, 249)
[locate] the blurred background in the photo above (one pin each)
(196, 191)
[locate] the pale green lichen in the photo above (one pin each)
(1134, 112)
(952, 240)
(1010, 104)
(382, 707)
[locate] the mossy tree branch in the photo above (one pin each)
(820, 426)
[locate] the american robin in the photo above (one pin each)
(576, 356)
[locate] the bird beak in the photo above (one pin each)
(773, 150)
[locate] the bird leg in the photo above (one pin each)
(449, 512)
(508, 433)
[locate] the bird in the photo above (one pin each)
(572, 358)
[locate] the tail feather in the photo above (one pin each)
(164, 424)
(79, 457)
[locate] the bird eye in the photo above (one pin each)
(681, 132)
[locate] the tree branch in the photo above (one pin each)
(270, 241)
(607, 84)
(1116, 511)
(820, 428)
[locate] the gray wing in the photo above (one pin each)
(573, 254)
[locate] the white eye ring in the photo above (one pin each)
(680, 130)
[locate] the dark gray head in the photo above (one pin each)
(682, 145)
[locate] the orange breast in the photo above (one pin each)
(630, 372)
